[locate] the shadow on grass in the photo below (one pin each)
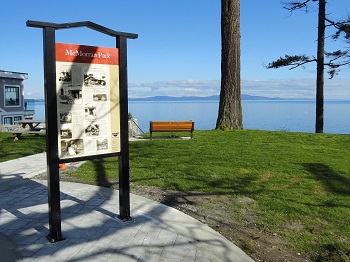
(101, 174)
(188, 181)
(332, 181)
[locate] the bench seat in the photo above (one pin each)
(171, 126)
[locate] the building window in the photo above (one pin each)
(17, 118)
(12, 95)
(7, 120)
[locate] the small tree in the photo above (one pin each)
(335, 59)
(230, 108)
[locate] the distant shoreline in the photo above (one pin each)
(214, 98)
(208, 98)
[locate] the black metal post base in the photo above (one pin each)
(54, 239)
(125, 220)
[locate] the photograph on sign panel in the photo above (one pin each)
(71, 96)
(66, 117)
(90, 111)
(99, 97)
(66, 133)
(72, 147)
(65, 76)
(92, 130)
(102, 144)
(95, 78)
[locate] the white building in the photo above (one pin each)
(12, 105)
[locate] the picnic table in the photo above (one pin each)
(32, 124)
(29, 126)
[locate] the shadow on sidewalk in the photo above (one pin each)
(91, 228)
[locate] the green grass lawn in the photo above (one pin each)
(300, 182)
(28, 144)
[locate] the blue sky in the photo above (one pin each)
(178, 49)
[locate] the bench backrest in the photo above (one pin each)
(171, 126)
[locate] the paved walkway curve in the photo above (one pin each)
(92, 230)
(8, 250)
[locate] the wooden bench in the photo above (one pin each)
(171, 126)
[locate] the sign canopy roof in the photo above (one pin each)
(88, 24)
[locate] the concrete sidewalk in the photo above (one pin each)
(91, 227)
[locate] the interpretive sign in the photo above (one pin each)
(88, 104)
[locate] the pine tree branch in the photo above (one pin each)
(342, 26)
(333, 57)
(296, 5)
(336, 59)
(293, 61)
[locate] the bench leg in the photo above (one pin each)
(17, 135)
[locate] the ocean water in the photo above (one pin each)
(275, 115)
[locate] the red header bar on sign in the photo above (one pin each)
(86, 54)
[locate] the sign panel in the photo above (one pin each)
(87, 81)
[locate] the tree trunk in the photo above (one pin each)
(320, 66)
(230, 107)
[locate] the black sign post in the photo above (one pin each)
(52, 155)
(124, 183)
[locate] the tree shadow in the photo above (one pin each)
(92, 230)
(101, 174)
(333, 181)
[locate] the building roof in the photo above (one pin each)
(15, 75)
